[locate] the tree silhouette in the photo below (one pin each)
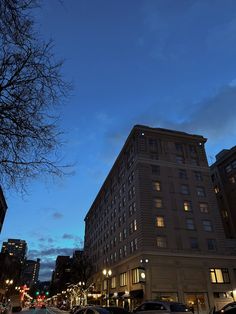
(31, 86)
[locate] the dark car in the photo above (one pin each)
(105, 310)
(75, 308)
(229, 308)
(161, 307)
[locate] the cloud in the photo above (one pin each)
(57, 215)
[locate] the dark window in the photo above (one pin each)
(194, 243)
(182, 174)
(155, 169)
(211, 244)
(198, 175)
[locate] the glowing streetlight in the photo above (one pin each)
(107, 273)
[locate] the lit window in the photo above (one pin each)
(201, 191)
(160, 222)
(232, 180)
(113, 282)
(158, 202)
(123, 279)
(161, 242)
(207, 226)
(156, 185)
(184, 189)
(216, 189)
(187, 206)
(203, 208)
(219, 275)
(190, 224)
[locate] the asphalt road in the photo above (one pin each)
(48, 310)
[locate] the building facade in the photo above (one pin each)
(3, 208)
(155, 224)
(16, 248)
(30, 274)
(223, 174)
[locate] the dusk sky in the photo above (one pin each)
(169, 64)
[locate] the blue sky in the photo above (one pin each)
(161, 63)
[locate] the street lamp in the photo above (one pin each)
(107, 273)
(8, 283)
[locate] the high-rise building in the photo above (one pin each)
(15, 247)
(223, 174)
(30, 272)
(3, 208)
(155, 225)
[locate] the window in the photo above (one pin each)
(158, 202)
(179, 147)
(132, 209)
(153, 145)
(123, 279)
(207, 226)
(211, 244)
(190, 224)
(234, 164)
(160, 223)
(192, 149)
(194, 243)
(194, 161)
(232, 180)
(161, 242)
(198, 175)
(155, 169)
(183, 174)
(156, 186)
(201, 191)
(113, 282)
(187, 206)
(203, 208)
(228, 168)
(135, 275)
(184, 189)
(180, 159)
(219, 275)
(216, 189)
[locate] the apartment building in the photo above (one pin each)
(155, 225)
(223, 174)
(16, 248)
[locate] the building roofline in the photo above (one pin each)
(139, 127)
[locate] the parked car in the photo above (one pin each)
(102, 310)
(75, 308)
(159, 307)
(229, 308)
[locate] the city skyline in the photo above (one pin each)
(161, 64)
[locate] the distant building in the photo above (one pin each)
(155, 224)
(30, 272)
(61, 274)
(223, 174)
(16, 248)
(3, 208)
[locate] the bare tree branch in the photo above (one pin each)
(31, 86)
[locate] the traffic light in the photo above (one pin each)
(47, 293)
(37, 292)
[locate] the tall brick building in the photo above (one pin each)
(155, 224)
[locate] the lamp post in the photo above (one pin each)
(107, 273)
(8, 283)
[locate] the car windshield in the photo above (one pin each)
(178, 307)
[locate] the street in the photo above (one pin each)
(49, 310)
